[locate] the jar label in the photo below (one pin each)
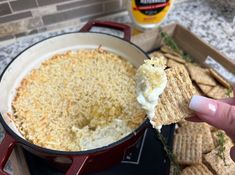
(150, 11)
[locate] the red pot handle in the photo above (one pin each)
(78, 165)
(6, 147)
(112, 25)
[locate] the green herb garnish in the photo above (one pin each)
(221, 147)
(229, 91)
(169, 154)
(187, 57)
(169, 41)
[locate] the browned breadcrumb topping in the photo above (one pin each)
(78, 100)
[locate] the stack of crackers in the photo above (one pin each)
(196, 145)
(197, 148)
(207, 81)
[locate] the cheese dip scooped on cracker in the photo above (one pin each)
(151, 80)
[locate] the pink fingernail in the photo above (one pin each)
(203, 105)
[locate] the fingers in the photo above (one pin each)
(230, 101)
(194, 119)
(232, 153)
(216, 113)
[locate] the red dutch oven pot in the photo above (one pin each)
(77, 162)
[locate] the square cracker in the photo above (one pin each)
(215, 136)
(188, 148)
(157, 54)
(205, 88)
(218, 92)
(198, 90)
(172, 63)
(217, 165)
(200, 75)
(199, 169)
(201, 128)
(167, 49)
(174, 170)
(195, 127)
(173, 103)
(175, 58)
(219, 78)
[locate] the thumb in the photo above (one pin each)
(216, 113)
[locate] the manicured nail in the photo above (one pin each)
(203, 105)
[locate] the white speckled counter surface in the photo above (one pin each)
(209, 20)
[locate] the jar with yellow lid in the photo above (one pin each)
(148, 14)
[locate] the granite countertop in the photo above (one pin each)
(207, 19)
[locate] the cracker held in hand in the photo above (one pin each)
(158, 55)
(151, 80)
(188, 148)
(173, 103)
(200, 75)
(199, 169)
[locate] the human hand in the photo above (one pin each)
(218, 113)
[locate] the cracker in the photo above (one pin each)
(216, 137)
(217, 165)
(198, 90)
(173, 103)
(219, 78)
(166, 49)
(172, 63)
(213, 129)
(200, 75)
(174, 170)
(197, 127)
(188, 148)
(157, 54)
(199, 169)
(175, 58)
(205, 88)
(218, 92)
(201, 128)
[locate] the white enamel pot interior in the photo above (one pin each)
(33, 56)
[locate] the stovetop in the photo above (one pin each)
(146, 157)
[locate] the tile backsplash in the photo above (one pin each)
(25, 17)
